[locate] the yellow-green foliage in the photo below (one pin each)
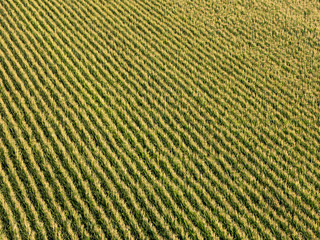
(180, 119)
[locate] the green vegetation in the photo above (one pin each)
(183, 119)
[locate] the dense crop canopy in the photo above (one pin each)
(170, 119)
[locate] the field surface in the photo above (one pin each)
(170, 119)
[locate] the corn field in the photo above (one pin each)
(146, 119)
